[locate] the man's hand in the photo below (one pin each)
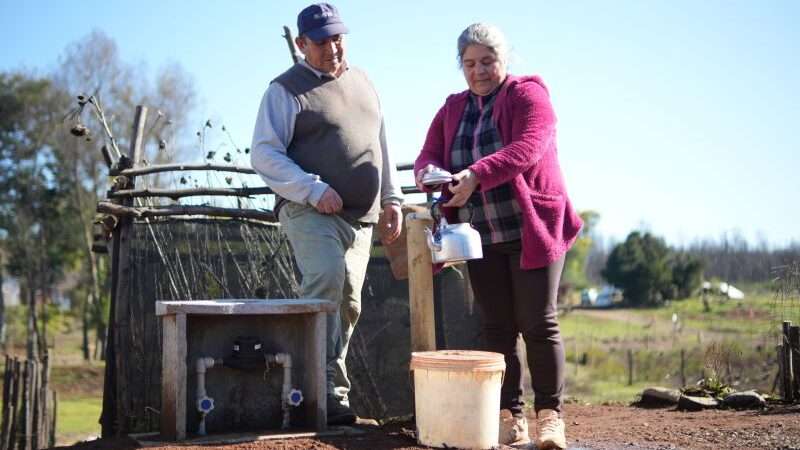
(330, 202)
(393, 217)
(463, 185)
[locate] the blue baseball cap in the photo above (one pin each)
(320, 21)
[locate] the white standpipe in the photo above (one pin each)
(290, 397)
(204, 403)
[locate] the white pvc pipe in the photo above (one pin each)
(423, 215)
(202, 363)
(285, 360)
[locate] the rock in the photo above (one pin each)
(744, 400)
(689, 403)
(657, 397)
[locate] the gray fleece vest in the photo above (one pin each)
(337, 136)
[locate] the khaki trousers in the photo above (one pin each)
(332, 256)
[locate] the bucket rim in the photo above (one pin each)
(460, 360)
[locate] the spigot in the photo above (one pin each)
(294, 397)
(205, 404)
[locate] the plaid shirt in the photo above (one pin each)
(497, 213)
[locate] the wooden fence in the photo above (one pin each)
(29, 406)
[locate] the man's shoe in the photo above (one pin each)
(549, 431)
(339, 414)
(513, 430)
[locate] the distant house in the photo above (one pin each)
(10, 291)
(60, 294)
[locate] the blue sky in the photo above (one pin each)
(679, 117)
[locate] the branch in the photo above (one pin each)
(178, 193)
(101, 116)
(183, 210)
(156, 168)
(290, 42)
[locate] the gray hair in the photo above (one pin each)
(481, 33)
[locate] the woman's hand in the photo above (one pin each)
(463, 185)
(427, 169)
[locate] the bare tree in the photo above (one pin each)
(91, 67)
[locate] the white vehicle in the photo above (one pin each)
(725, 289)
(730, 291)
(588, 297)
(607, 296)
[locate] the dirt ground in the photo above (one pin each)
(595, 427)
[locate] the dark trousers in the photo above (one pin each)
(515, 302)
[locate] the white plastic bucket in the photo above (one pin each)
(457, 397)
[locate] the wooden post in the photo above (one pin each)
(25, 425)
(121, 312)
(630, 367)
(781, 370)
(9, 432)
(44, 402)
(7, 377)
(794, 345)
(786, 380)
(51, 441)
(173, 377)
(108, 415)
(575, 351)
(290, 41)
(683, 368)
(36, 413)
(420, 284)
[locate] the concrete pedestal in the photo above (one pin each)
(192, 329)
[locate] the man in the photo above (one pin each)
(320, 145)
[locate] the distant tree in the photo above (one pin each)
(575, 262)
(38, 233)
(50, 180)
(687, 274)
(733, 259)
(640, 266)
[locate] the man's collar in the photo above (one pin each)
(320, 73)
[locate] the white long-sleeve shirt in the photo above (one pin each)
(273, 133)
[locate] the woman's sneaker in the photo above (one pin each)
(513, 430)
(549, 431)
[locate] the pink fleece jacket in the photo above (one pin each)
(528, 161)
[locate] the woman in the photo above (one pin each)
(498, 139)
